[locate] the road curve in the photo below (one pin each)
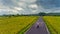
(38, 28)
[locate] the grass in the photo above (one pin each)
(16, 25)
(53, 24)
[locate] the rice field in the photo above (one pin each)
(16, 25)
(53, 24)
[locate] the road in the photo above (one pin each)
(38, 28)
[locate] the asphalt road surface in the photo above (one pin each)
(38, 28)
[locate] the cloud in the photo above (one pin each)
(7, 2)
(29, 1)
(33, 6)
(8, 11)
(49, 4)
(18, 8)
(28, 6)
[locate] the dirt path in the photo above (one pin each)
(38, 28)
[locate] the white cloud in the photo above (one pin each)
(22, 0)
(29, 1)
(33, 6)
(34, 11)
(24, 7)
(8, 11)
(18, 8)
(22, 4)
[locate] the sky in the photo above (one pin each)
(29, 6)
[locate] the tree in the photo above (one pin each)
(42, 13)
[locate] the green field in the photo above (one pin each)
(16, 25)
(53, 24)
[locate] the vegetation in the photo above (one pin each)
(16, 25)
(53, 24)
(48, 14)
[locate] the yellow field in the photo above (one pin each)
(14, 25)
(53, 24)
